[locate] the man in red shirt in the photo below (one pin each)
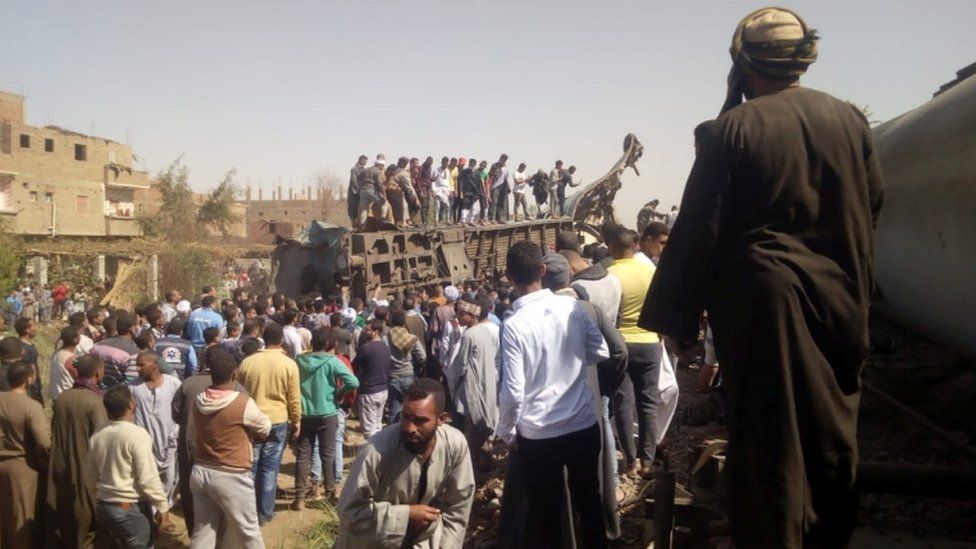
(60, 295)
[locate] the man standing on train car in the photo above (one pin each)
(371, 194)
(352, 193)
(775, 241)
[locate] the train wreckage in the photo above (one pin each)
(326, 256)
(925, 242)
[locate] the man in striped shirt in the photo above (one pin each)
(119, 352)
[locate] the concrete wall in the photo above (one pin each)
(55, 181)
(300, 211)
(11, 107)
(289, 217)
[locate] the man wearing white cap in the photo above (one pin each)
(371, 190)
(441, 325)
(782, 201)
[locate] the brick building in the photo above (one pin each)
(278, 216)
(62, 183)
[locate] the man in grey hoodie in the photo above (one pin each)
(595, 284)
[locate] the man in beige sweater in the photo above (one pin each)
(127, 484)
(271, 378)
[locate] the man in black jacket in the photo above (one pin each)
(473, 192)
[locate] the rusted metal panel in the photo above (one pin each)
(403, 259)
(488, 246)
(395, 260)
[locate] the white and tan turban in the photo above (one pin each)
(773, 43)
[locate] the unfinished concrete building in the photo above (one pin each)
(278, 215)
(56, 182)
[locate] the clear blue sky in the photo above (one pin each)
(286, 89)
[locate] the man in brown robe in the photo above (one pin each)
(78, 413)
(775, 241)
(25, 441)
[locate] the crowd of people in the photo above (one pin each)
(649, 213)
(456, 190)
(192, 402)
(42, 303)
(561, 361)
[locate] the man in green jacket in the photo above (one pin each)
(323, 378)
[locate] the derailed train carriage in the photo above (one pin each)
(327, 256)
(925, 242)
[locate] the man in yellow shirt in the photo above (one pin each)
(644, 354)
(271, 378)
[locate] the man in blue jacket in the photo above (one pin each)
(178, 356)
(201, 319)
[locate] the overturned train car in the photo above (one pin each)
(925, 243)
(327, 256)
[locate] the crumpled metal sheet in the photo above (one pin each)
(593, 205)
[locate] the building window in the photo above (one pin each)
(81, 204)
(24, 141)
(81, 151)
(272, 228)
(33, 196)
(48, 197)
(49, 145)
(119, 202)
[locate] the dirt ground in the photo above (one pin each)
(288, 529)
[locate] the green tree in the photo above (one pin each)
(183, 221)
(217, 210)
(176, 219)
(11, 260)
(188, 268)
(181, 218)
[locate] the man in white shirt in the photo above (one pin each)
(168, 307)
(85, 343)
(441, 192)
(292, 340)
(519, 190)
(546, 407)
(671, 217)
(652, 242)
